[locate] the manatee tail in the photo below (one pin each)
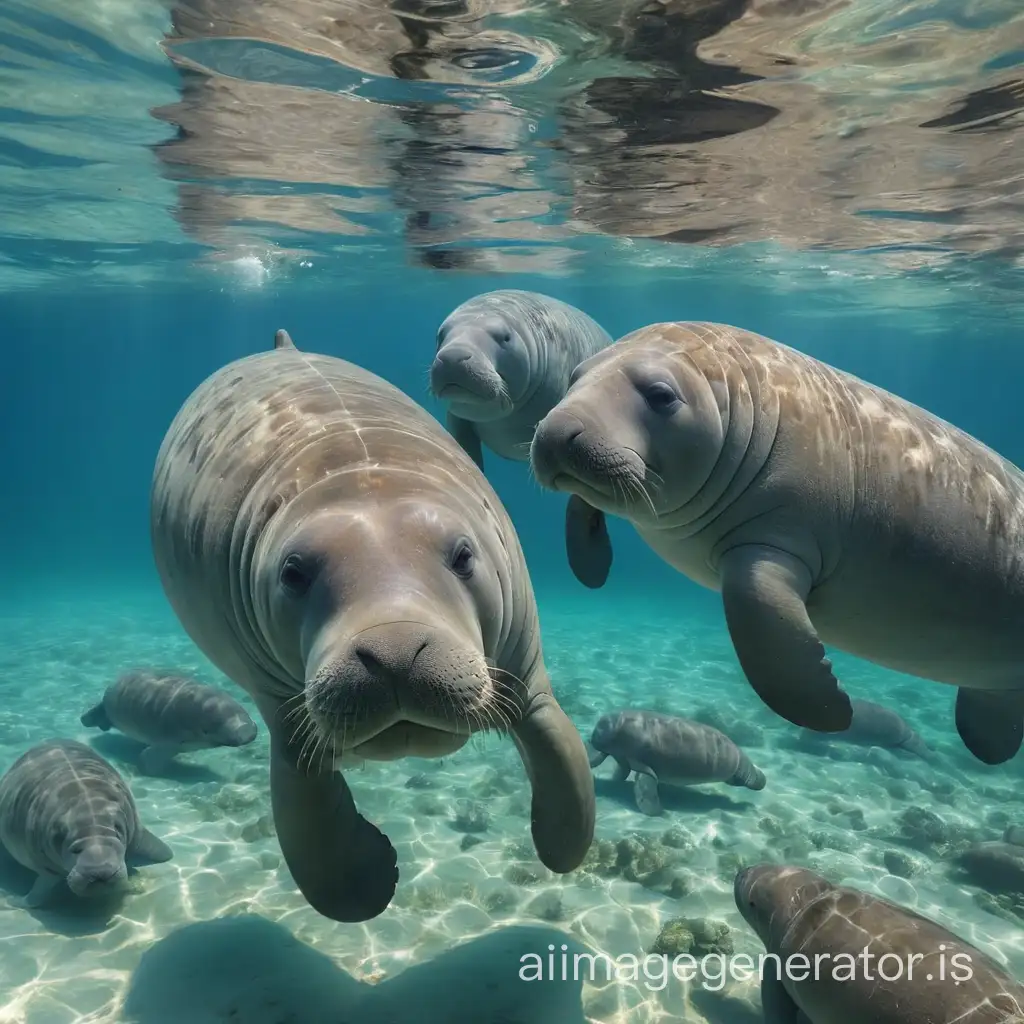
(96, 718)
(748, 775)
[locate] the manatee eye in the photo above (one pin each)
(441, 335)
(661, 398)
(463, 560)
(503, 336)
(295, 577)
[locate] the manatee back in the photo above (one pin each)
(161, 706)
(843, 921)
(676, 749)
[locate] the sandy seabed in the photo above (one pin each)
(221, 934)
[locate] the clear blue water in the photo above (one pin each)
(159, 219)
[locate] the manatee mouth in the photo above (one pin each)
(401, 690)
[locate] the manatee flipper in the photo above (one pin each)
(343, 865)
(563, 809)
(990, 723)
(763, 592)
(622, 770)
(465, 433)
(282, 339)
(587, 544)
(645, 792)
(157, 758)
(42, 890)
(776, 1005)
(595, 757)
(147, 848)
(97, 718)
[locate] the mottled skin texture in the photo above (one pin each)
(795, 911)
(669, 750)
(170, 713)
(66, 814)
(332, 549)
(503, 361)
(823, 509)
(877, 726)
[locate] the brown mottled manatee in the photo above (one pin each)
(667, 750)
(68, 815)
(171, 714)
(877, 726)
(832, 941)
(334, 551)
(504, 360)
(824, 509)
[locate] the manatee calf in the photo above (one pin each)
(876, 726)
(504, 359)
(171, 713)
(858, 959)
(66, 814)
(825, 510)
(331, 548)
(669, 751)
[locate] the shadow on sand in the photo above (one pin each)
(124, 752)
(685, 801)
(250, 970)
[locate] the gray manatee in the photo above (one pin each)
(504, 360)
(877, 726)
(66, 814)
(171, 714)
(668, 750)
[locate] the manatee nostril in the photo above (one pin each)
(368, 659)
(573, 433)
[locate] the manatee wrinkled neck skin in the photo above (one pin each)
(770, 897)
(95, 863)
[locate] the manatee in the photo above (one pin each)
(994, 866)
(667, 750)
(331, 548)
(504, 359)
(875, 961)
(823, 509)
(67, 815)
(170, 713)
(877, 726)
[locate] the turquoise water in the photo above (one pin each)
(178, 182)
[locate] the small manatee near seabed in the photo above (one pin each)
(669, 750)
(875, 726)
(171, 714)
(68, 815)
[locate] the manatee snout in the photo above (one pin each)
(463, 373)
(238, 730)
(98, 868)
(556, 446)
(399, 689)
